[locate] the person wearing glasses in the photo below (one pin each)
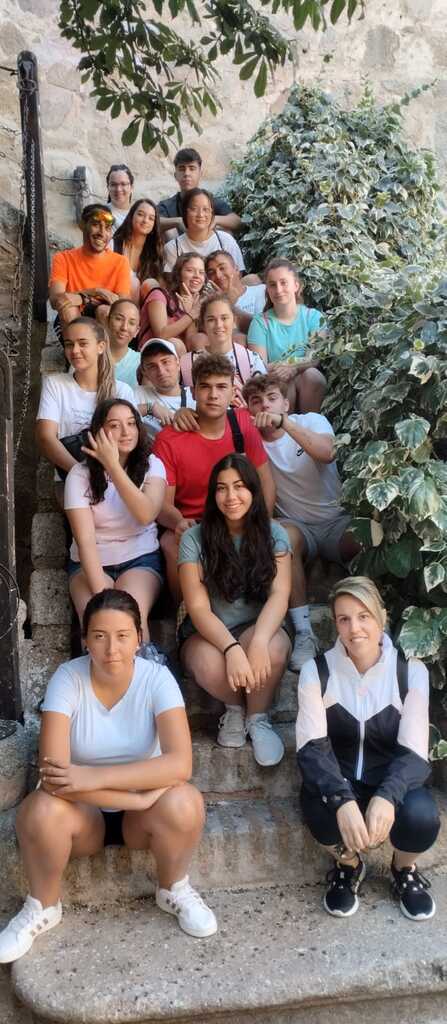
(119, 183)
(88, 279)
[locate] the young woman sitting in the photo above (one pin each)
(362, 741)
(115, 759)
(217, 321)
(112, 501)
(201, 235)
(139, 238)
(283, 332)
(122, 327)
(235, 576)
(68, 400)
(119, 183)
(174, 314)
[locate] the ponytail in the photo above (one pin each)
(106, 375)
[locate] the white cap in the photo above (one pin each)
(159, 343)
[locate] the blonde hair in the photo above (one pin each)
(365, 591)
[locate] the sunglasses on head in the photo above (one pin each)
(100, 217)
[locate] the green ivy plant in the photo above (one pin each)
(343, 195)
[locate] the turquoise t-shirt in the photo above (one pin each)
(126, 369)
(239, 611)
(278, 339)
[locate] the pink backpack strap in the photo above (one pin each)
(186, 369)
(243, 361)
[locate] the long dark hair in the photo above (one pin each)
(136, 465)
(115, 601)
(248, 572)
(151, 259)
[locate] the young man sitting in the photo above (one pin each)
(247, 300)
(159, 394)
(90, 278)
(187, 173)
(189, 456)
(301, 454)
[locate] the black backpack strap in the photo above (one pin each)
(238, 437)
(402, 675)
(323, 671)
(218, 238)
(182, 397)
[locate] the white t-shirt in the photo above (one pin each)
(119, 735)
(305, 489)
(218, 240)
(119, 215)
(68, 405)
(253, 299)
(143, 394)
(119, 537)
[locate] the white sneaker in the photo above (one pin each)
(268, 747)
(232, 731)
(31, 921)
(191, 911)
(305, 647)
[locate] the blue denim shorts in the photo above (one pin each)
(150, 563)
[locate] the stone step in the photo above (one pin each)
(246, 842)
(277, 958)
(227, 773)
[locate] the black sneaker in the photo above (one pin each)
(341, 898)
(410, 888)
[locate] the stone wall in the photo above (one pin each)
(399, 45)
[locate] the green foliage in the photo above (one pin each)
(342, 194)
(141, 66)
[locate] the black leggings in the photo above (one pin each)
(415, 828)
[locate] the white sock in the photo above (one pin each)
(301, 619)
(235, 707)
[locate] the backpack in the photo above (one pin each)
(179, 252)
(401, 669)
(241, 358)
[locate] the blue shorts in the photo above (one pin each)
(150, 563)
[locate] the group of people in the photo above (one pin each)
(190, 453)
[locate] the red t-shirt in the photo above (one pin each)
(189, 458)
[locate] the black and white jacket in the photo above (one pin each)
(360, 731)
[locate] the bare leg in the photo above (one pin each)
(171, 829)
(50, 831)
(260, 701)
(145, 587)
(310, 391)
(169, 548)
(80, 592)
(207, 665)
(404, 860)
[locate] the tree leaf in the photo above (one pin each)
(130, 134)
(434, 574)
(261, 79)
(248, 68)
(88, 9)
(337, 8)
(381, 493)
(412, 432)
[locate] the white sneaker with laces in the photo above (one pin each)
(268, 747)
(305, 647)
(31, 921)
(232, 731)
(191, 911)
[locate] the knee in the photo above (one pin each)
(204, 664)
(39, 813)
(184, 810)
(296, 540)
(279, 650)
(417, 822)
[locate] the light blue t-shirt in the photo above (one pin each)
(126, 369)
(238, 611)
(283, 340)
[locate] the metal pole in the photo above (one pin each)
(28, 85)
(10, 695)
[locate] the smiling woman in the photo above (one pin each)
(115, 760)
(119, 182)
(201, 236)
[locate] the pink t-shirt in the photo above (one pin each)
(119, 537)
(156, 295)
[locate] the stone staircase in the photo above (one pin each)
(277, 958)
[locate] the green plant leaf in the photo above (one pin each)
(434, 574)
(381, 493)
(419, 636)
(261, 79)
(412, 432)
(248, 68)
(403, 557)
(424, 500)
(337, 8)
(130, 134)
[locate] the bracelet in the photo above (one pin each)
(234, 644)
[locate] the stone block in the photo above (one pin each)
(13, 764)
(55, 638)
(53, 360)
(48, 542)
(46, 500)
(37, 665)
(49, 602)
(225, 772)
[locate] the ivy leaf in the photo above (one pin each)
(418, 636)
(412, 432)
(381, 493)
(404, 556)
(424, 499)
(434, 574)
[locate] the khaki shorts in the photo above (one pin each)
(323, 538)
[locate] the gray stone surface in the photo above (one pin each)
(48, 543)
(49, 602)
(13, 768)
(277, 957)
(227, 772)
(37, 664)
(11, 1011)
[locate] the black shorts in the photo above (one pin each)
(187, 629)
(113, 821)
